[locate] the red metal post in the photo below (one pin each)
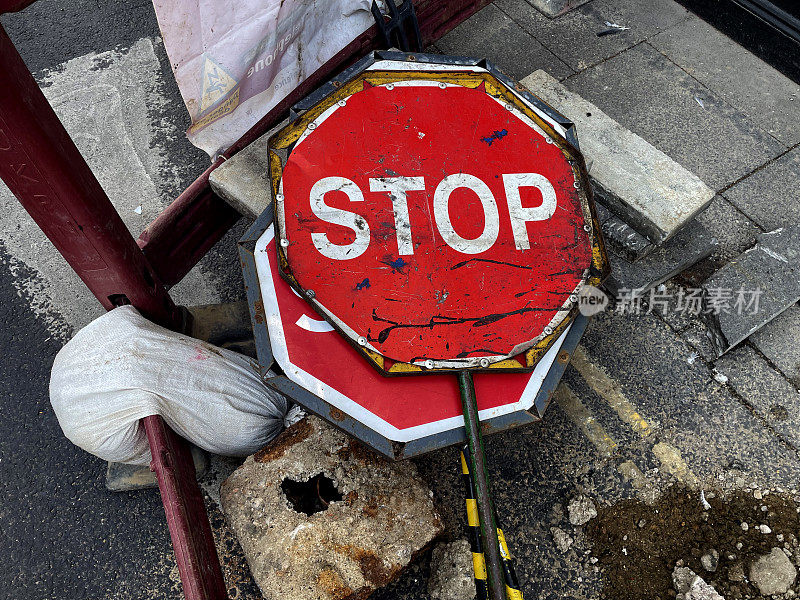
(187, 229)
(43, 168)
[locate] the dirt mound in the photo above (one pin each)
(638, 545)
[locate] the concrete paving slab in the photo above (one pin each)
(745, 81)
(243, 182)
(779, 341)
(771, 195)
(553, 8)
(646, 93)
(492, 34)
(773, 398)
(692, 244)
(644, 186)
(734, 231)
(768, 272)
(573, 36)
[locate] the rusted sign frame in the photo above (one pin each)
(382, 68)
(351, 425)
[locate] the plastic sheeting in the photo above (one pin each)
(234, 61)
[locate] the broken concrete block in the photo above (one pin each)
(773, 573)
(320, 516)
(581, 510)
(778, 342)
(638, 182)
(621, 238)
(754, 288)
(690, 586)
(452, 577)
(690, 245)
(561, 539)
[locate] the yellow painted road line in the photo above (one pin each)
(672, 462)
(576, 411)
(610, 391)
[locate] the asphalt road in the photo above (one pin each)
(62, 534)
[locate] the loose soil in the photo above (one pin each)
(638, 544)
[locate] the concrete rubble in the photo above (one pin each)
(452, 577)
(361, 521)
(710, 560)
(690, 586)
(773, 573)
(581, 510)
(562, 540)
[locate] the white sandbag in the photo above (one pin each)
(122, 367)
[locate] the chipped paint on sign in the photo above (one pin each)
(473, 237)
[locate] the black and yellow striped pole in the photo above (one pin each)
(478, 561)
(482, 499)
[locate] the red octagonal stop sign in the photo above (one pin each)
(433, 222)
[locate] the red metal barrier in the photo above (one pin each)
(44, 170)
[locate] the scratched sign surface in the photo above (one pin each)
(433, 223)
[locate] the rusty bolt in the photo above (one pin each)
(336, 414)
(563, 356)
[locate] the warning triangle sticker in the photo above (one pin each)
(217, 84)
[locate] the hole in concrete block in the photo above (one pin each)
(310, 496)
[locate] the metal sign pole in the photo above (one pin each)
(477, 457)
